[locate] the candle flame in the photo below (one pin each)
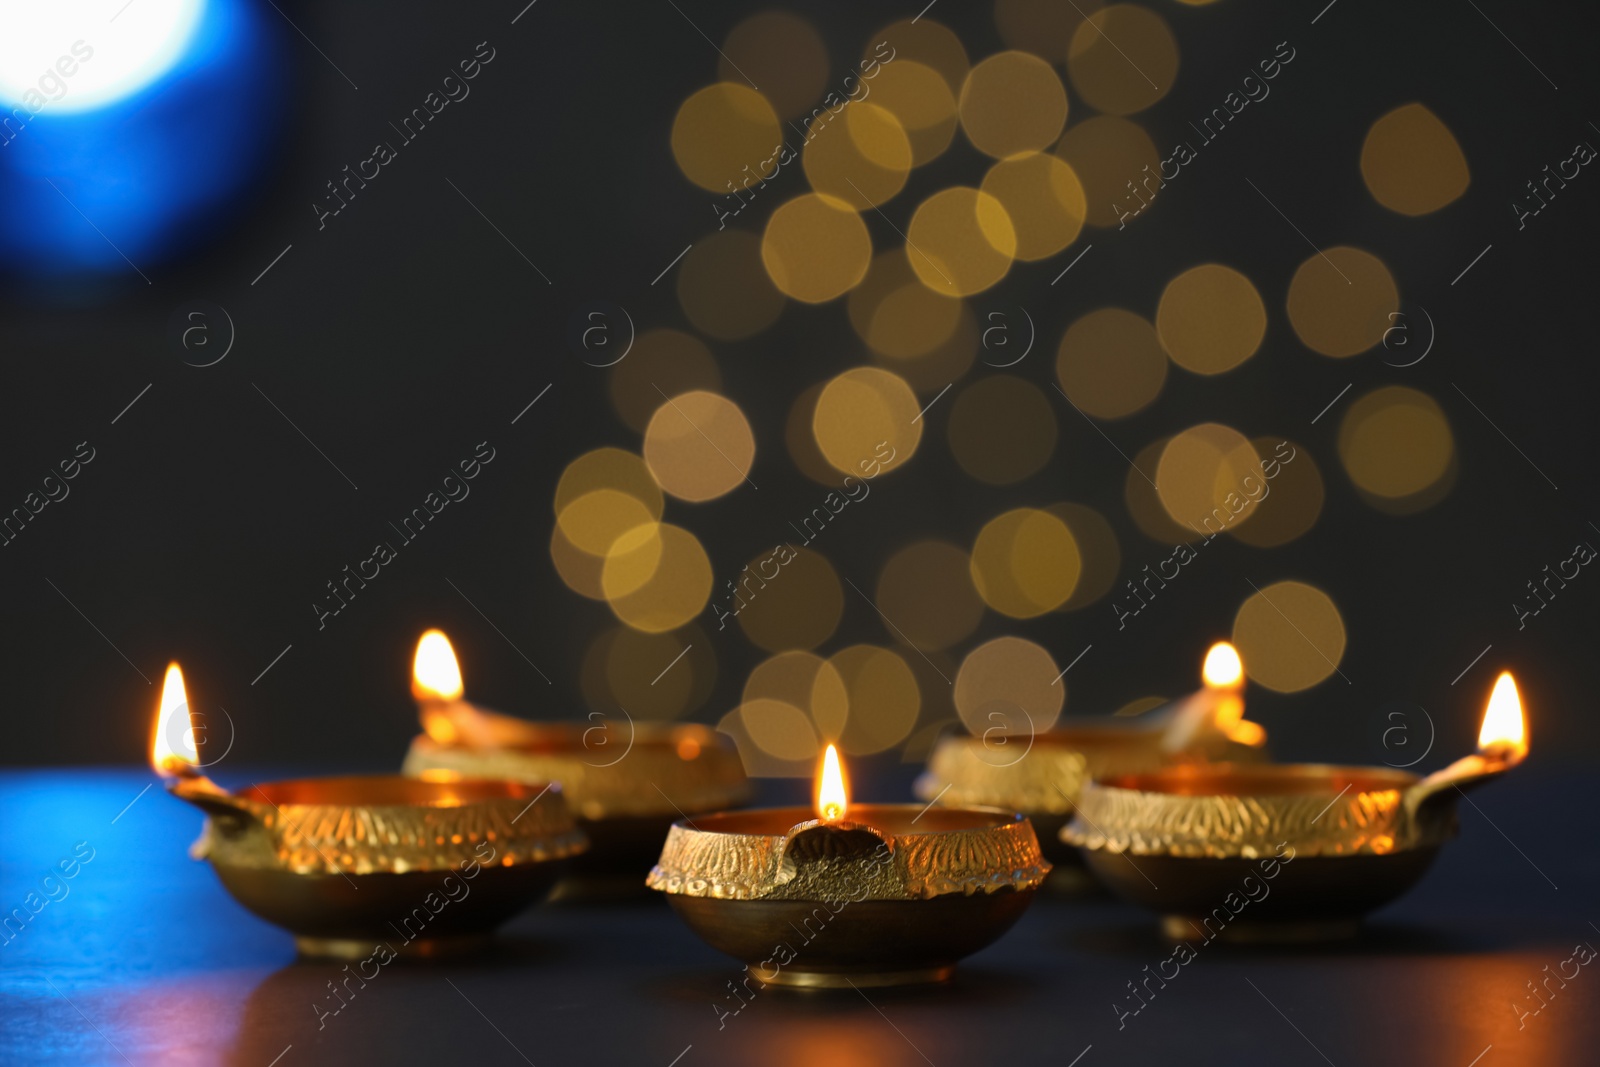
(435, 673)
(1223, 668)
(833, 800)
(172, 746)
(1504, 725)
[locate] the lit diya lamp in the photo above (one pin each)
(1281, 852)
(354, 866)
(850, 894)
(626, 782)
(1042, 775)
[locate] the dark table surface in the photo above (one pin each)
(147, 960)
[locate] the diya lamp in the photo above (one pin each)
(625, 783)
(1190, 842)
(850, 894)
(425, 866)
(1044, 782)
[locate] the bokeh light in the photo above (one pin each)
(816, 248)
(1097, 548)
(699, 445)
(783, 54)
(1011, 685)
(1043, 27)
(1025, 562)
(1110, 363)
(724, 290)
(803, 681)
(661, 362)
(1211, 319)
(1205, 478)
(723, 137)
(779, 729)
(1143, 501)
(884, 699)
(676, 573)
(791, 598)
(1290, 636)
(863, 159)
(624, 668)
(961, 241)
(1107, 153)
(895, 314)
(1412, 163)
(1012, 102)
(922, 41)
(801, 440)
(1122, 59)
(603, 495)
(923, 102)
(866, 422)
(1294, 495)
(1002, 429)
(1042, 197)
(926, 591)
(1341, 301)
(1396, 445)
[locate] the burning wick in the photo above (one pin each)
(446, 718)
(173, 753)
(1218, 708)
(832, 798)
(1504, 734)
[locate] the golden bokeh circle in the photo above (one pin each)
(1395, 443)
(678, 585)
(1290, 636)
(579, 570)
(1042, 197)
(1043, 27)
(1412, 163)
(723, 289)
(1122, 59)
(921, 41)
(660, 361)
(1110, 363)
(789, 598)
(951, 360)
(1002, 429)
(960, 241)
(803, 680)
(1209, 478)
(1342, 301)
(1106, 153)
(1294, 496)
(1098, 548)
(623, 668)
(801, 440)
(780, 729)
(1025, 562)
(608, 468)
(926, 590)
(598, 519)
(815, 248)
(923, 101)
(866, 421)
(1144, 503)
(884, 698)
(783, 54)
(896, 315)
(725, 134)
(1009, 686)
(699, 446)
(1012, 102)
(863, 159)
(1211, 319)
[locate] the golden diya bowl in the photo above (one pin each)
(625, 795)
(425, 866)
(1268, 853)
(893, 894)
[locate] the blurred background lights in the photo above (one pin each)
(895, 314)
(1122, 59)
(1341, 301)
(1412, 163)
(723, 135)
(926, 42)
(1101, 557)
(1043, 27)
(1002, 429)
(1396, 446)
(1012, 102)
(723, 289)
(661, 361)
(1009, 684)
(105, 59)
(1290, 636)
(1043, 198)
(926, 588)
(1201, 478)
(787, 605)
(699, 446)
(961, 241)
(1106, 153)
(1025, 562)
(922, 101)
(816, 248)
(1293, 500)
(1110, 363)
(866, 422)
(782, 53)
(1211, 319)
(884, 699)
(863, 158)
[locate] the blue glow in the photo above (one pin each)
(151, 173)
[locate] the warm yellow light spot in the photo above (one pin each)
(782, 53)
(435, 672)
(1209, 478)
(724, 290)
(1294, 495)
(833, 799)
(604, 468)
(1110, 363)
(699, 446)
(665, 361)
(1244, 732)
(1098, 549)
(1025, 562)
(927, 589)
(801, 440)
(1222, 669)
(624, 668)
(172, 745)
(1042, 197)
(1002, 429)
(677, 583)
(578, 569)
(1412, 163)
(960, 241)
(1012, 102)
(1144, 503)
(921, 41)
(1108, 154)
(802, 680)
(922, 101)
(1290, 636)
(882, 695)
(779, 729)
(1505, 728)
(1342, 301)
(1043, 27)
(724, 138)
(1122, 59)
(789, 597)
(866, 422)
(595, 521)
(862, 157)
(1396, 444)
(895, 314)
(815, 248)
(1211, 319)
(1009, 686)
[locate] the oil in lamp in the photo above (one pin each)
(625, 781)
(424, 866)
(1045, 782)
(850, 894)
(1190, 841)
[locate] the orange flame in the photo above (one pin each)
(833, 799)
(172, 745)
(1505, 728)
(435, 673)
(1223, 669)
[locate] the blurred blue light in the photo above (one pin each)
(146, 175)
